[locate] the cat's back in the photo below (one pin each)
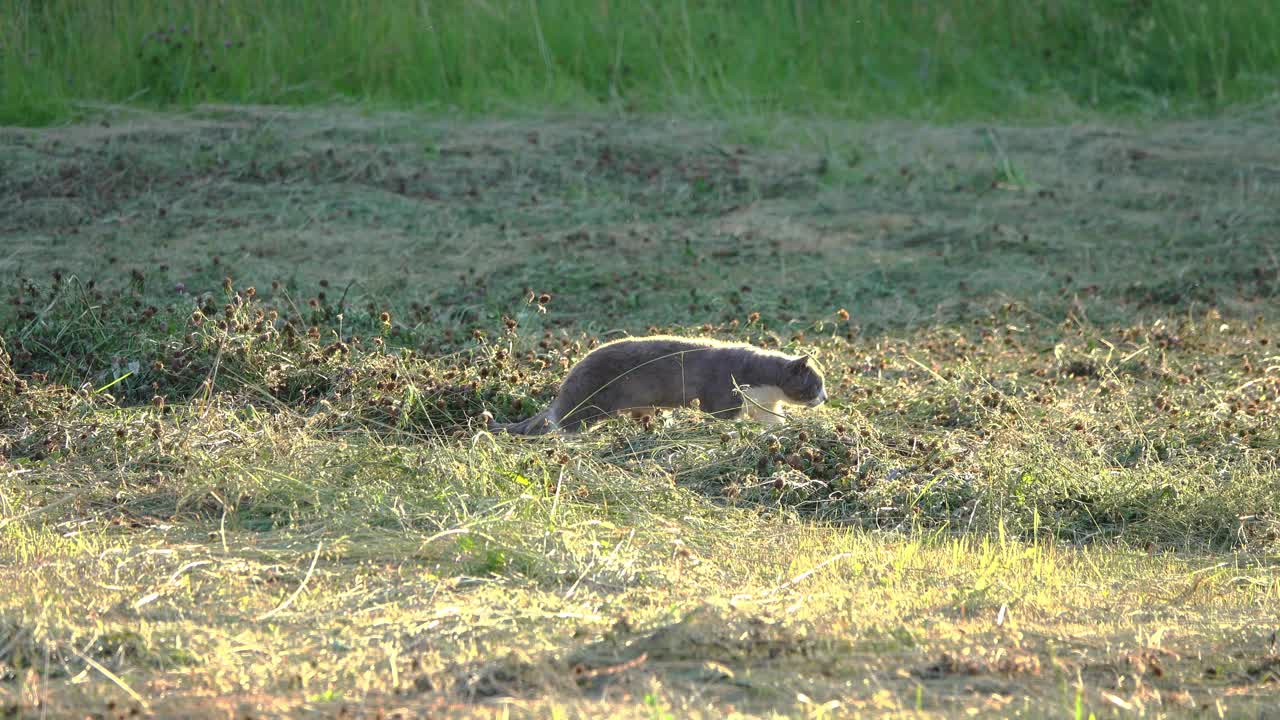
(629, 353)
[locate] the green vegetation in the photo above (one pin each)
(964, 58)
(1046, 484)
(246, 349)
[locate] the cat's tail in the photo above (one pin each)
(537, 425)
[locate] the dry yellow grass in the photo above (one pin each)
(1045, 486)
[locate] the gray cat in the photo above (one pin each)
(639, 375)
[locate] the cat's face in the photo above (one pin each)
(802, 383)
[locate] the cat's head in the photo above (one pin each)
(802, 383)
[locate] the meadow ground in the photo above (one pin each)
(231, 486)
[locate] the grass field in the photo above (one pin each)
(1046, 484)
(847, 58)
(263, 266)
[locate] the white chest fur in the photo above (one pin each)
(763, 403)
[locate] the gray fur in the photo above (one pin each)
(637, 374)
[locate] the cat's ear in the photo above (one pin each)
(799, 364)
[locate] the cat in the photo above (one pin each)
(639, 375)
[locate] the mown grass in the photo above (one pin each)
(972, 58)
(1046, 484)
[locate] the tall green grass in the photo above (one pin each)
(856, 57)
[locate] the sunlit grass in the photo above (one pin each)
(1045, 484)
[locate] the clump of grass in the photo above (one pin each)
(1062, 445)
(325, 358)
(959, 59)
